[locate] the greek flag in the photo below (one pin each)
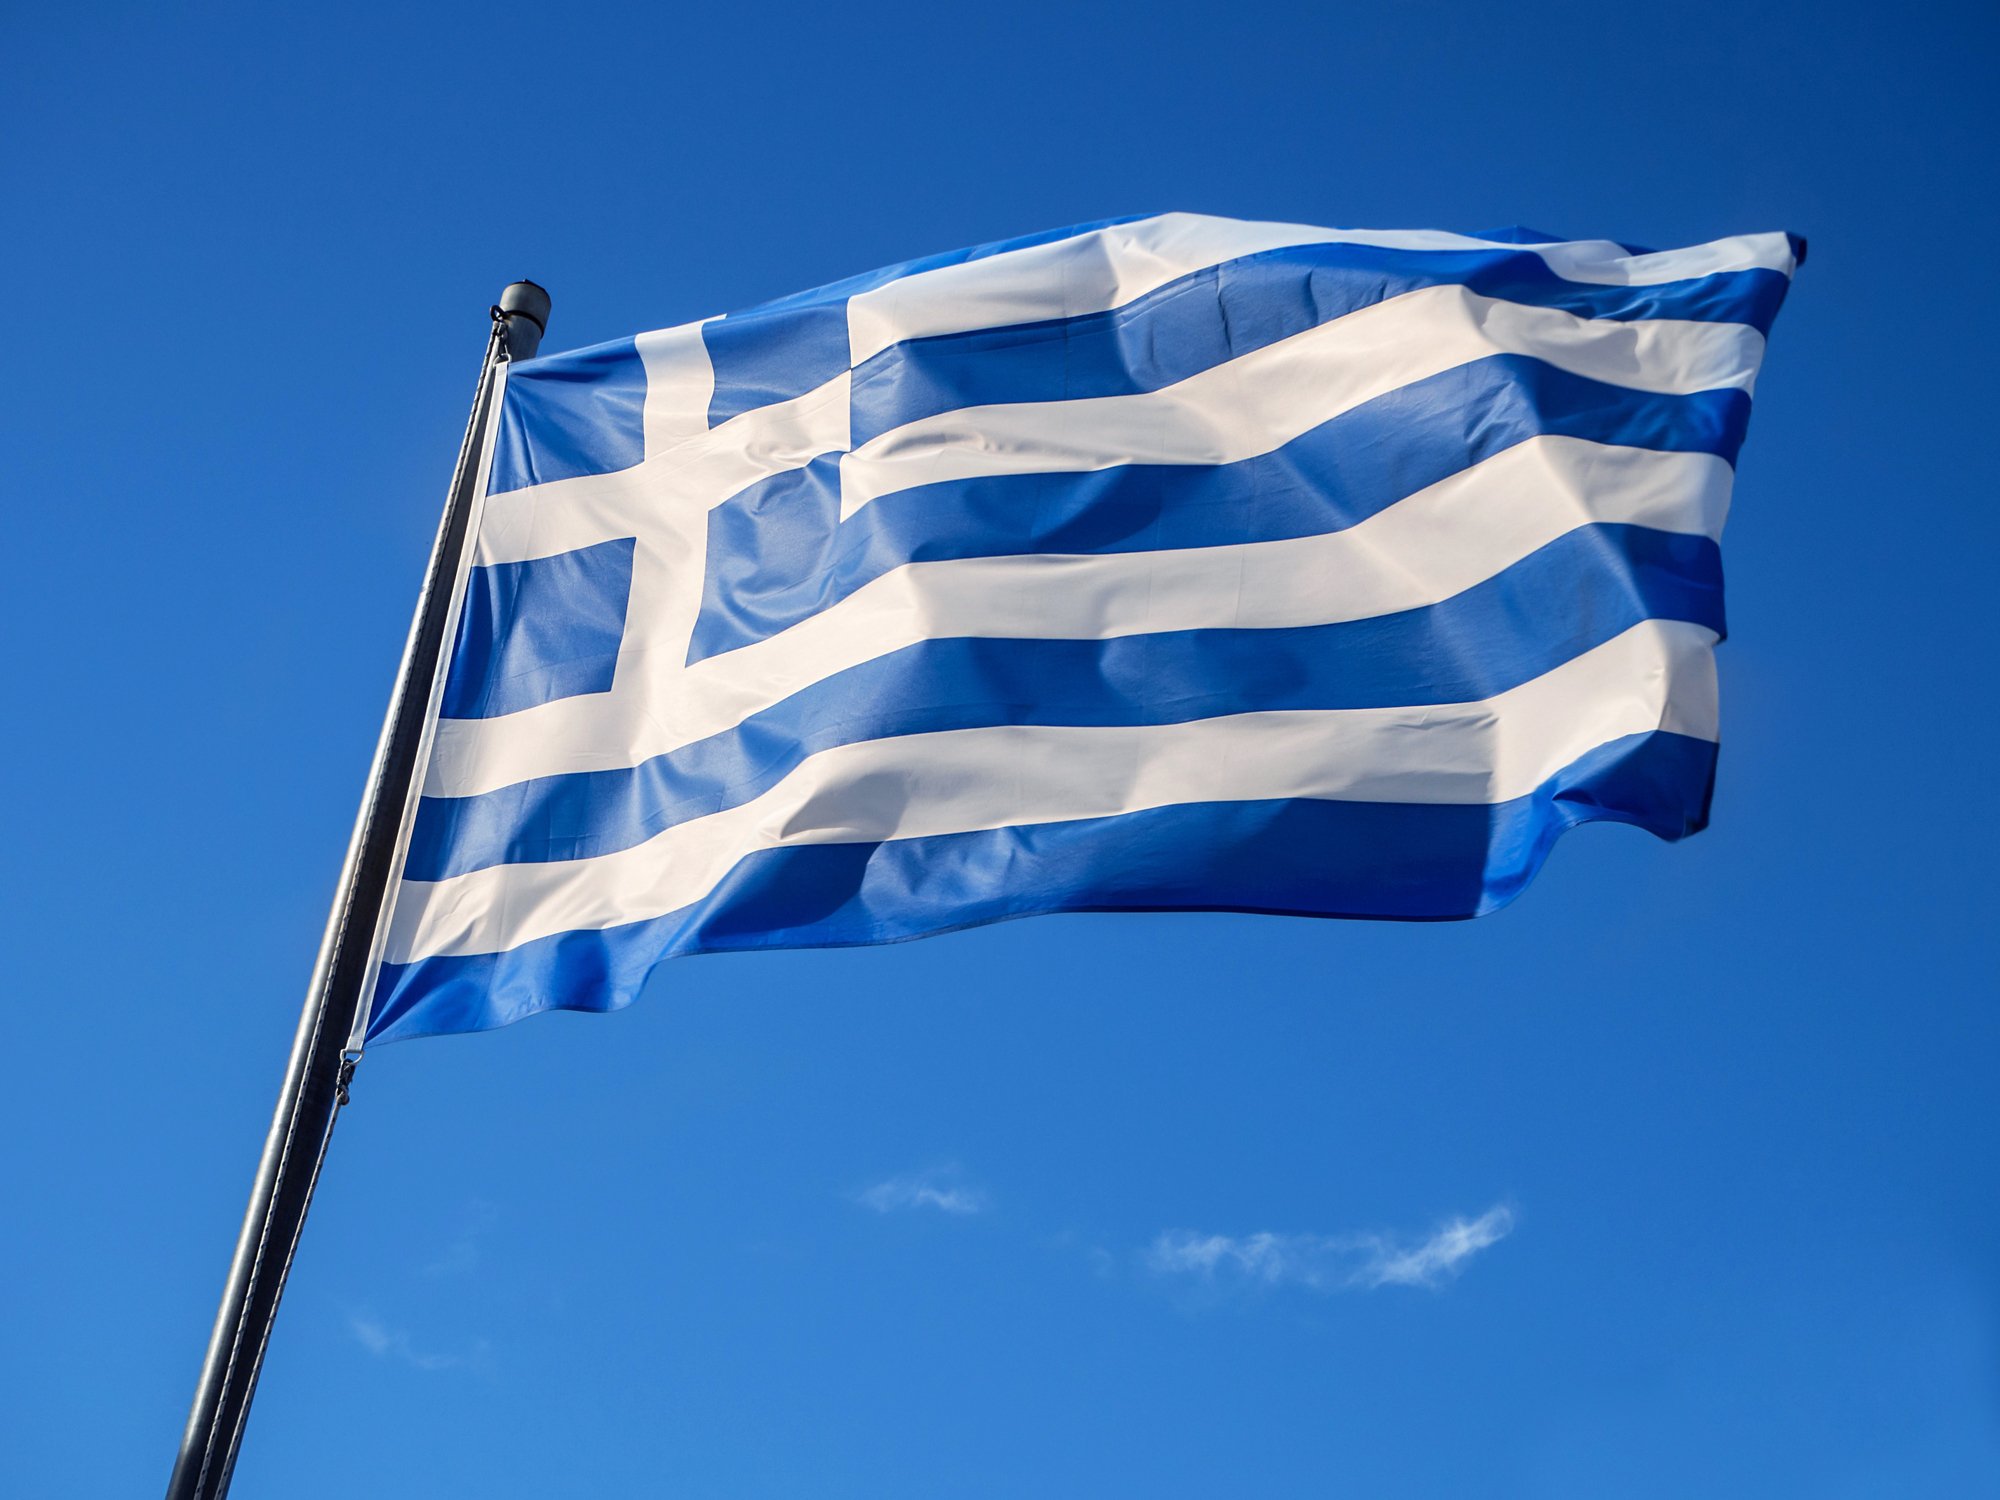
(1169, 564)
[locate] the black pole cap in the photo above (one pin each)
(525, 307)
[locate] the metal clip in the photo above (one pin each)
(346, 1076)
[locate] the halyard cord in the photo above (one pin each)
(500, 358)
(263, 1242)
(264, 1339)
(348, 1060)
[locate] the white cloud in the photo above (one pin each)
(1439, 1257)
(1101, 1261)
(939, 1190)
(1330, 1263)
(461, 1256)
(385, 1342)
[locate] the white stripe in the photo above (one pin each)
(1424, 549)
(1657, 675)
(1239, 409)
(673, 490)
(1107, 268)
(1236, 410)
(680, 383)
(1251, 405)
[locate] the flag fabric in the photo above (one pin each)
(1167, 564)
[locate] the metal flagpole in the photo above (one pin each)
(321, 1065)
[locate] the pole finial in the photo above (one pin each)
(524, 307)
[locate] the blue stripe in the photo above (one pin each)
(781, 349)
(1574, 594)
(771, 355)
(1305, 858)
(1517, 234)
(535, 631)
(779, 553)
(1225, 311)
(582, 412)
(868, 281)
(571, 414)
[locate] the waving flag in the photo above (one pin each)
(1181, 563)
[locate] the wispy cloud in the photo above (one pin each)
(387, 1342)
(1330, 1262)
(942, 1190)
(1103, 1264)
(460, 1255)
(1440, 1257)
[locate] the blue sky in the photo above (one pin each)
(1680, 1176)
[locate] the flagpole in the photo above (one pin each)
(321, 1064)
